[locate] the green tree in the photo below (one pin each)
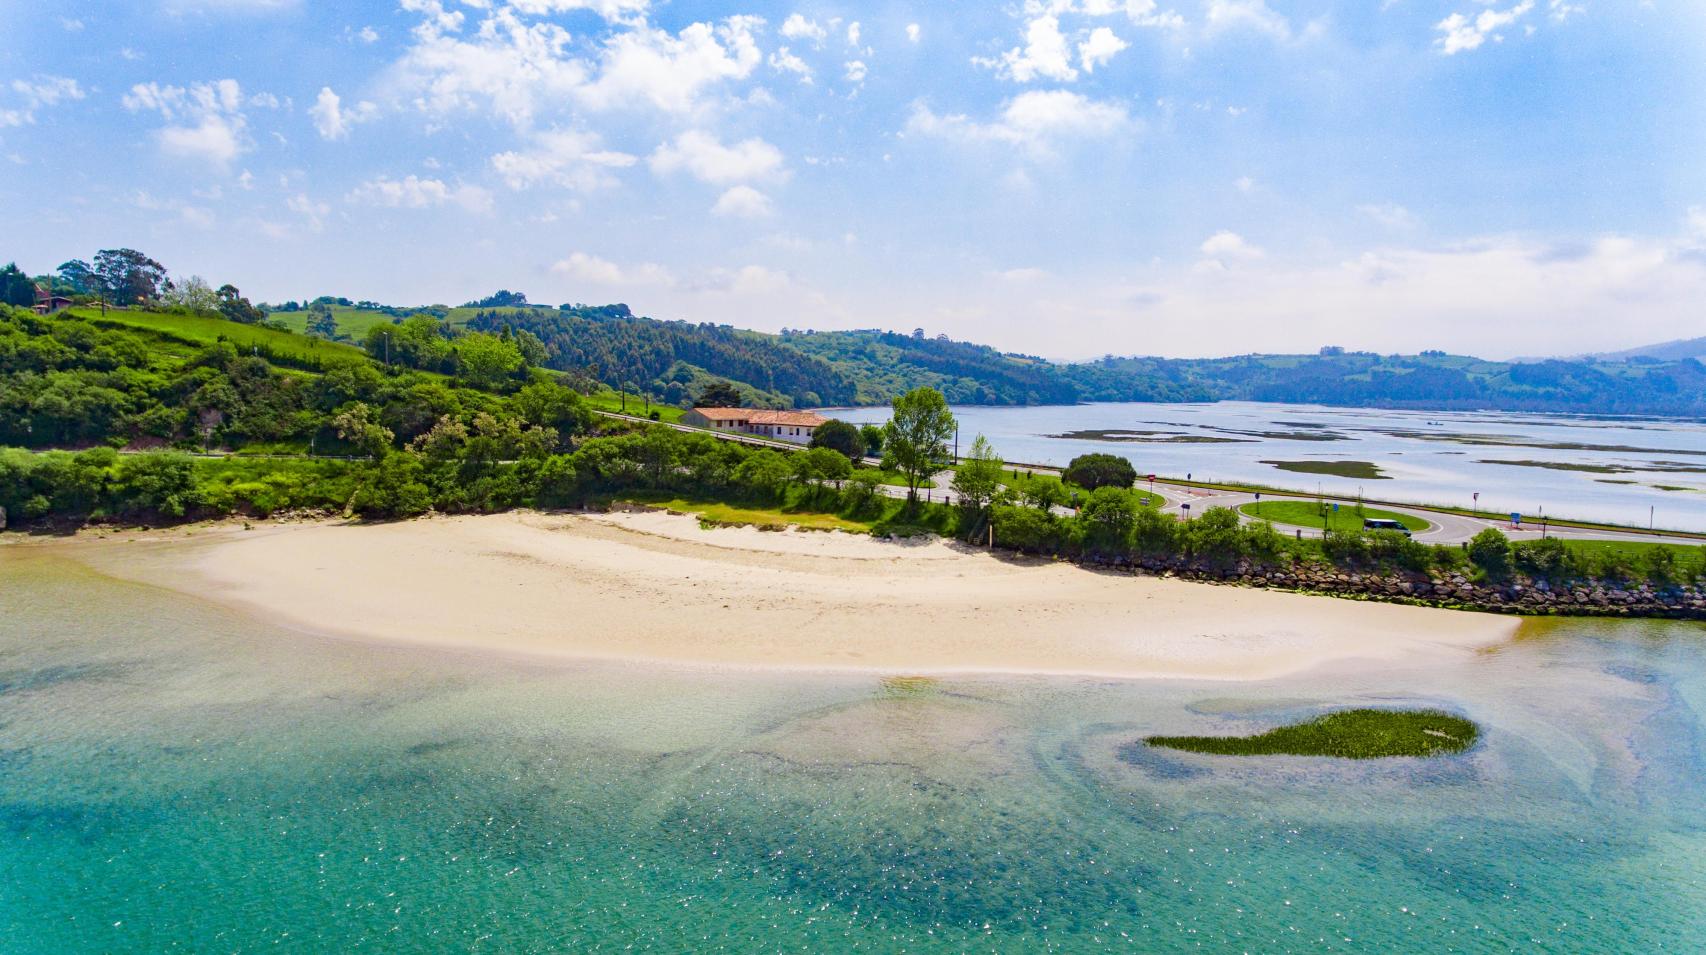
(764, 471)
(16, 287)
(873, 435)
(718, 394)
(838, 435)
(127, 277)
(356, 424)
(978, 480)
(1108, 519)
(79, 277)
(822, 464)
(915, 440)
(321, 322)
(1091, 471)
(1491, 552)
(486, 361)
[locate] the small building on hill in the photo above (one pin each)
(796, 427)
(47, 303)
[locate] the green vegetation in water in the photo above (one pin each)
(1315, 514)
(1145, 437)
(1348, 734)
(1561, 466)
(1364, 470)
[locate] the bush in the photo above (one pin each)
(1092, 471)
(838, 435)
(1547, 559)
(1490, 552)
(1028, 529)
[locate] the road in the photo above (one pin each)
(1443, 527)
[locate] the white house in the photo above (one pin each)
(793, 426)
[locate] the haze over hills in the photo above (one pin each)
(673, 361)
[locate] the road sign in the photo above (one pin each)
(1335, 507)
(1516, 519)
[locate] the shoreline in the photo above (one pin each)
(656, 589)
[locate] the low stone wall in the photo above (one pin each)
(1519, 595)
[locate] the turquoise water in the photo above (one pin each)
(177, 778)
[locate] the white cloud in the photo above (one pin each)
(855, 71)
(708, 160)
(1460, 33)
(1697, 221)
(797, 27)
(36, 92)
(71, 24)
(204, 121)
(1245, 184)
(853, 33)
(671, 71)
(616, 11)
(1045, 54)
(784, 61)
(332, 120)
(572, 159)
(367, 35)
(1099, 48)
(1036, 121)
(1389, 214)
(413, 192)
(742, 202)
(1246, 15)
(1229, 245)
(598, 271)
(312, 211)
(748, 280)
(912, 32)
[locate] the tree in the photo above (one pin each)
(356, 425)
(1109, 517)
(16, 287)
(321, 322)
(547, 404)
(764, 471)
(486, 361)
(1491, 552)
(1092, 471)
(192, 293)
(127, 277)
(79, 277)
(916, 436)
(838, 435)
(822, 464)
(236, 308)
(718, 394)
(873, 435)
(978, 480)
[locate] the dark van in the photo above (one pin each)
(1382, 524)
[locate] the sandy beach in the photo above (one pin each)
(658, 587)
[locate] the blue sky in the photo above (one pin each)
(1061, 177)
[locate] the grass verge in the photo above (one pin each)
(1309, 514)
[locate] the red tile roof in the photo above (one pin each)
(800, 419)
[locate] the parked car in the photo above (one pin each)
(1383, 524)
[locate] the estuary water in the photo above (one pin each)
(1623, 470)
(177, 777)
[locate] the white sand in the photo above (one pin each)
(657, 587)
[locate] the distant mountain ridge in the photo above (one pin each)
(674, 360)
(1676, 350)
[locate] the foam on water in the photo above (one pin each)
(174, 777)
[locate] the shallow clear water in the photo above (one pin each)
(1428, 457)
(175, 777)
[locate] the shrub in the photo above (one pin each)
(1490, 552)
(1092, 471)
(1028, 529)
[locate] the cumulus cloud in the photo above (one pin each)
(1046, 54)
(39, 91)
(855, 71)
(573, 159)
(204, 121)
(1389, 214)
(1036, 121)
(1099, 48)
(413, 192)
(798, 27)
(1460, 33)
(516, 67)
(594, 270)
(784, 61)
(1253, 15)
(912, 32)
(742, 202)
(1225, 245)
(332, 120)
(705, 158)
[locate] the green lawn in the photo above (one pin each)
(1627, 549)
(1349, 734)
(722, 512)
(197, 329)
(1308, 514)
(611, 401)
(895, 478)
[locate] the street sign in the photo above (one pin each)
(1516, 519)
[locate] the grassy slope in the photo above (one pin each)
(1307, 514)
(1349, 734)
(202, 330)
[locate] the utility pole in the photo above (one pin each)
(956, 444)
